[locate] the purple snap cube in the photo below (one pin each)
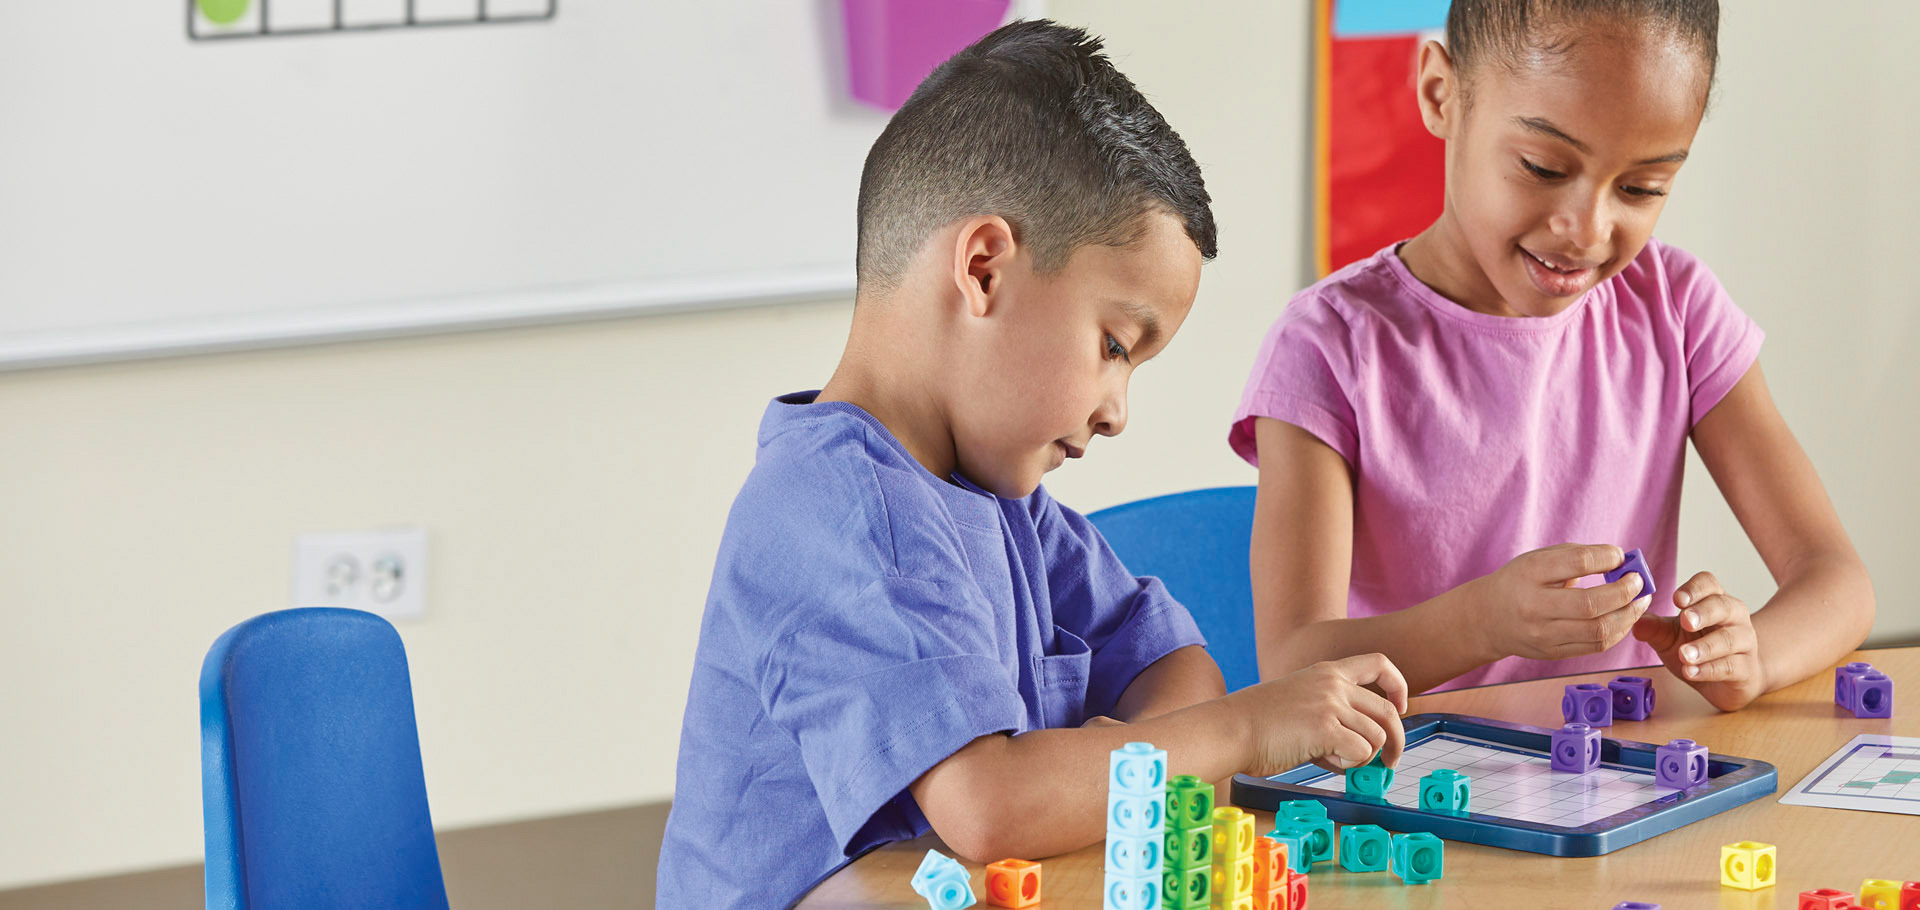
(1587, 703)
(1576, 749)
(1680, 764)
(1636, 563)
(1873, 695)
(1843, 679)
(1632, 697)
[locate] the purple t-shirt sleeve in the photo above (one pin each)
(1301, 377)
(879, 687)
(1129, 622)
(1722, 342)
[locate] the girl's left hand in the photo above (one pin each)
(1710, 645)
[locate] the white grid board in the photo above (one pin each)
(1521, 786)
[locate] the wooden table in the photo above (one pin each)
(1795, 729)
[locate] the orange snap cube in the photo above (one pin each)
(1013, 883)
(1269, 865)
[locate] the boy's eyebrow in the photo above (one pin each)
(1144, 315)
(1545, 127)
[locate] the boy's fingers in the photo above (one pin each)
(1377, 671)
(1701, 586)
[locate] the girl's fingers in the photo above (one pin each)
(1599, 600)
(1697, 588)
(1731, 667)
(1713, 610)
(1721, 642)
(1574, 560)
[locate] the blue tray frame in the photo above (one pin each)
(1731, 781)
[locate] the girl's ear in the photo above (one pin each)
(1437, 89)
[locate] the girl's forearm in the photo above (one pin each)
(1431, 642)
(1822, 610)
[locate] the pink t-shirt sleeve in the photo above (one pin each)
(1301, 377)
(1722, 342)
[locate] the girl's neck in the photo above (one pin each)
(1440, 258)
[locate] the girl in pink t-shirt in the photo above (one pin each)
(1433, 424)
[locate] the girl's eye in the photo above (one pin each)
(1642, 191)
(1540, 172)
(1116, 350)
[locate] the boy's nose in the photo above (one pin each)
(1111, 418)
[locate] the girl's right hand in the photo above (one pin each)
(1327, 714)
(1530, 607)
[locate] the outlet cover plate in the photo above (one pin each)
(382, 571)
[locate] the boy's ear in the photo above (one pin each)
(983, 252)
(1437, 90)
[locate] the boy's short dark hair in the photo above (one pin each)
(1031, 123)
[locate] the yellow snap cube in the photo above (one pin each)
(1232, 834)
(1748, 865)
(1879, 894)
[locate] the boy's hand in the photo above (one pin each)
(1326, 714)
(1530, 607)
(1710, 645)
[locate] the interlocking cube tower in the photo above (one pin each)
(943, 882)
(1576, 749)
(1013, 883)
(1825, 899)
(1136, 827)
(1418, 858)
(1232, 855)
(1371, 780)
(1632, 697)
(1873, 695)
(1297, 892)
(1188, 879)
(1680, 764)
(1365, 848)
(1636, 562)
(1747, 865)
(1879, 894)
(1843, 677)
(1587, 703)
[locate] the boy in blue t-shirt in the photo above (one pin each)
(904, 630)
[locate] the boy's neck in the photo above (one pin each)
(883, 372)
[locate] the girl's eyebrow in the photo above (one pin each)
(1545, 127)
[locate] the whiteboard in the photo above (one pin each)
(162, 195)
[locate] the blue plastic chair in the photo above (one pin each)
(310, 767)
(1196, 543)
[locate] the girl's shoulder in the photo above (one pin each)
(1666, 274)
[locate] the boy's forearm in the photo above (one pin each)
(1044, 792)
(1186, 676)
(1431, 642)
(1820, 613)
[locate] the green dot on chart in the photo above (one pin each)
(224, 12)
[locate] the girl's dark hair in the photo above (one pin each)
(1031, 123)
(1499, 31)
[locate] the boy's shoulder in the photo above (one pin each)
(830, 484)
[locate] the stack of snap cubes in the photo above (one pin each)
(1136, 827)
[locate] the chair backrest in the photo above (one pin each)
(312, 790)
(1196, 544)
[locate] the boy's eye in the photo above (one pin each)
(1115, 350)
(1540, 172)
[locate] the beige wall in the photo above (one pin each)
(574, 479)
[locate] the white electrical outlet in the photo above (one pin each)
(382, 572)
